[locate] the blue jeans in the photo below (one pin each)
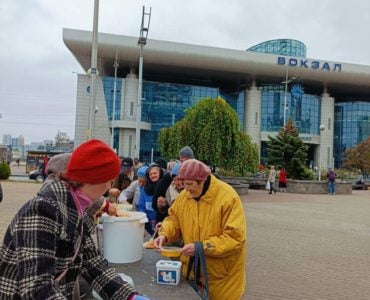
(331, 187)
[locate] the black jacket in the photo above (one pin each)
(160, 191)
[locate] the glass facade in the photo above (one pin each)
(286, 47)
(303, 109)
(163, 105)
(108, 86)
(351, 126)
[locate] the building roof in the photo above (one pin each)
(211, 63)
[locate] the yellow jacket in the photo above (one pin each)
(218, 220)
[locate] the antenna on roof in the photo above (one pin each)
(144, 30)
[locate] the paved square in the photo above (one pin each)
(299, 246)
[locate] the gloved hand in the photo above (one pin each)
(138, 297)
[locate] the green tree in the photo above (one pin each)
(358, 157)
(4, 171)
(211, 129)
(287, 150)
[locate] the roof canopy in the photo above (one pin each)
(163, 58)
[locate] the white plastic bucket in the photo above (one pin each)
(123, 237)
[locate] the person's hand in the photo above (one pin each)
(138, 297)
(159, 242)
(161, 202)
(188, 249)
(158, 226)
(112, 209)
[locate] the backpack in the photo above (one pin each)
(331, 176)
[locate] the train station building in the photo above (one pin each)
(267, 84)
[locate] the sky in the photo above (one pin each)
(38, 73)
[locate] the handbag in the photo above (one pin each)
(197, 263)
(268, 185)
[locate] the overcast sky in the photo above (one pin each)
(37, 76)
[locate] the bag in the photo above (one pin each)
(268, 185)
(200, 269)
(332, 176)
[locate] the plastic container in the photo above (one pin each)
(171, 251)
(168, 272)
(123, 237)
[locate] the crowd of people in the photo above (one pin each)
(48, 248)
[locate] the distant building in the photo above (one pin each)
(62, 141)
(7, 139)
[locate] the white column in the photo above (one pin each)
(128, 113)
(252, 114)
(327, 135)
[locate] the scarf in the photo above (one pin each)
(81, 200)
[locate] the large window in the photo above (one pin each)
(164, 104)
(304, 110)
(108, 86)
(351, 127)
(286, 47)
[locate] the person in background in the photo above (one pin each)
(126, 175)
(52, 229)
(271, 179)
(1, 193)
(185, 153)
(331, 176)
(137, 165)
(209, 210)
(42, 167)
(162, 163)
(56, 165)
(152, 176)
(282, 180)
(175, 187)
(133, 191)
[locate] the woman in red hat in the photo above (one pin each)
(48, 243)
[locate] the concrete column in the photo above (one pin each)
(252, 114)
(101, 123)
(325, 149)
(128, 113)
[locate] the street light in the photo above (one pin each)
(144, 30)
(115, 65)
(322, 128)
(93, 71)
(286, 91)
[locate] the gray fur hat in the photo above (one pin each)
(58, 163)
(186, 152)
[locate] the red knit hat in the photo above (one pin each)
(93, 162)
(193, 169)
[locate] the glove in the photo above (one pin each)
(138, 297)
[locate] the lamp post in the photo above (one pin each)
(322, 128)
(144, 30)
(285, 93)
(93, 72)
(115, 65)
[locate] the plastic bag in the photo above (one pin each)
(197, 264)
(268, 185)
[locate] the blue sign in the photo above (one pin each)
(297, 91)
(309, 64)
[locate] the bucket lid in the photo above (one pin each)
(131, 216)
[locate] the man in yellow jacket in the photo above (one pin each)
(210, 211)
